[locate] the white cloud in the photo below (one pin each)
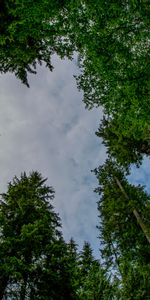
(47, 128)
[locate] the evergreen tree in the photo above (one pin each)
(126, 149)
(124, 225)
(135, 285)
(94, 283)
(86, 259)
(33, 252)
(73, 262)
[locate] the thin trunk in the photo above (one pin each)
(135, 212)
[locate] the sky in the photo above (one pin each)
(47, 128)
(141, 175)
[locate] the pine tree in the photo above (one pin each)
(94, 282)
(86, 259)
(124, 226)
(124, 147)
(33, 252)
(73, 262)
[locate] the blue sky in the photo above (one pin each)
(141, 175)
(47, 128)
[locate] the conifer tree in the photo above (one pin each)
(33, 252)
(123, 145)
(73, 262)
(124, 226)
(94, 282)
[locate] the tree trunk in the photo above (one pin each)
(135, 212)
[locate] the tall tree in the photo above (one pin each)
(97, 285)
(33, 252)
(94, 282)
(124, 222)
(73, 262)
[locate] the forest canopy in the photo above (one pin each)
(112, 40)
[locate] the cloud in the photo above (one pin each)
(47, 128)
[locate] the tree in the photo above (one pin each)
(73, 262)
(33, 252)
(96, 285)
(114, 49)
(94, 282)
(124, 224)
(86, 259)
(30, 32)
(125, 149)
(135, 285)
(113, 44)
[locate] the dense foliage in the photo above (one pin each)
(114, 64)
(36, 262)
(126, 150)
(124, 229)
(112, 41)
(30, 32)
(33, 253)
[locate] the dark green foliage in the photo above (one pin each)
(73, 258)
(113, 41)
(94, 282)
(86, 259)
(125, 149)
(136, 282)
(119, 227)
(96, 285)
(34, 258)
(124, 244)
(36, 263)
(30, 32)
(113, 44)
(114, 53)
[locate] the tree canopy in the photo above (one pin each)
(30, 32)
(126, 149)
(112, 42)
